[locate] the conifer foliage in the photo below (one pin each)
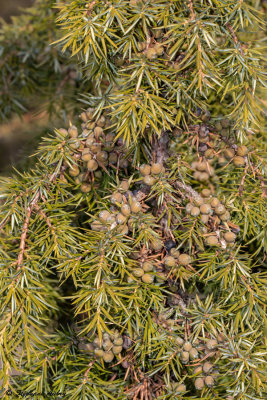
(133, 253)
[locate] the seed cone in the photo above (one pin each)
(145, 169)
(209, 381)
(212, 241)
(187, 346)
(195, 211)
(193, 353)
(239, 161)
(156, 168)
(136, 207)
(207, 366)
(147, 278)
(184, 259)
(170, 261)
(148, 266)
(181, 388)
(149, 180)
(108, 356)
(199, 383)
(138, 272)
(242, 151)
(212, 344)
(229, 237)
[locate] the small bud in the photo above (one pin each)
(86, 188)
(184, 357)
(188, 208)
(73, 131)
(124, 185)
(86, 155)
(198, 200)
(212, 241)
(201, 166)
(197, 370)
(151, 53)
(74, 170)
(118, 341)
(120, 218)
(179, 341)
(214, 202)
(136, 207)
(181, 388)
(117, 349)
(204, 218)
(99, 353)
(193, 353)
(220, 209)
(203, 177)
(206, 192)
(205, 209)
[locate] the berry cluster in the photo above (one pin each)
(213, 137)
(235, 155)
(177, 387)
(217, 149)
(203, 170)
(187, 350)
(123, 213)
(205, 370)
(212, 213)
(145, 272)
(94, 149)
(203, 373)
(176, 258)
(151, 172)
(198, 355)
(110, 346)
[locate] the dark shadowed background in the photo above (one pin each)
(16, 141)
(11, 7)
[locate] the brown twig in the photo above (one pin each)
(160, 147)
(187, 189)
(241, 186)
(90, 7)
(192, 12)
(264, 191)
(63, 82)
(235, 39)
(25, 228)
